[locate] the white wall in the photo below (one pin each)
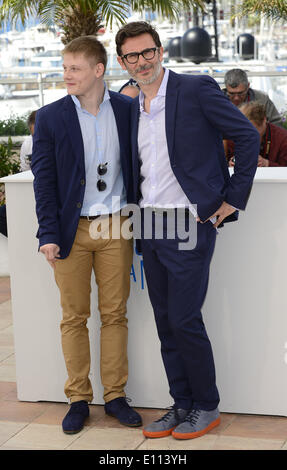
(244, 312)
(4, 258)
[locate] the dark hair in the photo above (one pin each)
(31, 118)
(134, 29)
(90, 46)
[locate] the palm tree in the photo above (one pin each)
(273, 9)
(83, 17)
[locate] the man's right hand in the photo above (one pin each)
(51, 252)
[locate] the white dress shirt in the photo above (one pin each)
(25, 153)
(159, 187)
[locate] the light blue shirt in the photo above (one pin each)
(101, 145)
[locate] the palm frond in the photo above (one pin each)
(52, 11)
(13, 10)
(114, 10)
(273, 9)
(49, 11)
(170, 9)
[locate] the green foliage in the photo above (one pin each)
(14, 125)
(86, 16)
(9, 164)
(54, 11)
(273, 9)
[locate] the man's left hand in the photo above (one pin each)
(224, 211)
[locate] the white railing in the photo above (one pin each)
(53, 76)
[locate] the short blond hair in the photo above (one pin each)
(90, 47)
(254, 111)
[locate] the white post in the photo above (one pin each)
(41, 89)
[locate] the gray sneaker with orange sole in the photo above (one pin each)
(165, 425)
(196, 424)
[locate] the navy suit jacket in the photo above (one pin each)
(58, 166)
(198, 116)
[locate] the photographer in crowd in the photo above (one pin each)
(273, 139)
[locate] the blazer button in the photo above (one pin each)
(82, 182)
(79, 205)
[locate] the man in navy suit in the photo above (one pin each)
(180, 173)
(82, 170)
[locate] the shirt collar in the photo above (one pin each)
(105, 98)
(161, 90)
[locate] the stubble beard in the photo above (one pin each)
(148, 81)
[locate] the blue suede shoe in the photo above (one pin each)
(119, 408)
(75, 418)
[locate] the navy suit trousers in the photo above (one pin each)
(177, 283)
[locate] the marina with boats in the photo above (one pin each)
(31, 61)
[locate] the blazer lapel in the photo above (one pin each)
(135, 114)
(73, 129)
(120, 122)
(170, 111)
(123, 134)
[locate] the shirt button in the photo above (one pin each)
(82, 182)
(79, 205)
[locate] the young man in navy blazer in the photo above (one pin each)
(81, 161)
(180, 171)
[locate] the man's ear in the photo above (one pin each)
(100, 69)
(121, 62)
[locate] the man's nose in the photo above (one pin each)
(235, 100)
(142, 60)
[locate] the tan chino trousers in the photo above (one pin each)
(111, 260)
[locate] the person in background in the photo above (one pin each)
(25, 160)
(80, 162)
(179, 168)
(237, 88)
(27, 145)
(273, 139)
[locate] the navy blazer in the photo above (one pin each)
(58, 166)
(198, 116)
